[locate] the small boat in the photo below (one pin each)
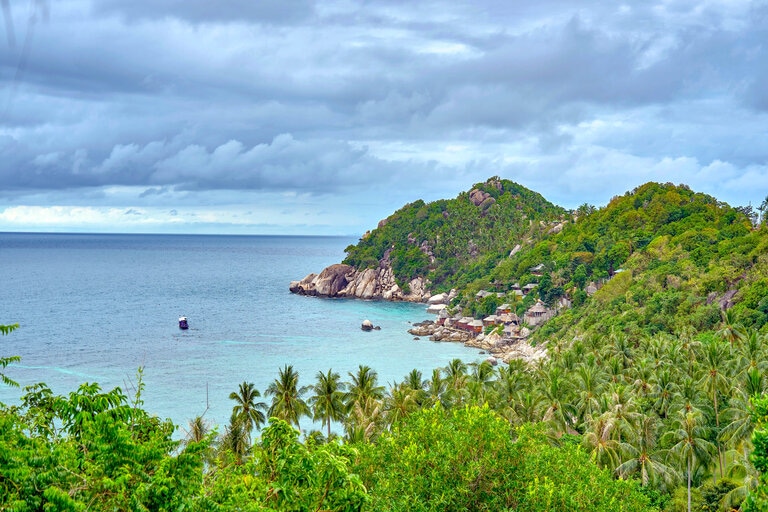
(183, 323)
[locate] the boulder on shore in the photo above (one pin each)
(342, 280)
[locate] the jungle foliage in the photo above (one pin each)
(452, 242)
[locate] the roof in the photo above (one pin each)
(538, 308)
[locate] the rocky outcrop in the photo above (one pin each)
(501, 348)
(373, 284)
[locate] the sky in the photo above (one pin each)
(323, 117)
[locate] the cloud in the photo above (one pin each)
(365, 105)
(201, 11)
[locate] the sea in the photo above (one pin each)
(97, 307)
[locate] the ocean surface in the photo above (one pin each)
(96, 307)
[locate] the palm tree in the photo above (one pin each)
(621, 348)
(456, 377)
(327, 399)
(600, 443)
(663, 390)
(513, 380)
(480, 383)
(198, 429)
(364, 385)
(436, 391)
(622, 410)
(287, 401)
(365, 420)
(559, 412)
(752, 351)
(416, 383)
(737, 432)
(400, 402)
(715, 361)
(247, 409)
(689, 443)
(590, 381)
(642, 458)
(236, 439)
(730, 329)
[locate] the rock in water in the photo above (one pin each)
(367, 325)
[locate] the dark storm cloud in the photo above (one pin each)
(172, 97)
(206, 11)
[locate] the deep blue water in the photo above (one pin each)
(94, 308)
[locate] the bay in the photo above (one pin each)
(96, 307)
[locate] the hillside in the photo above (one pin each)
(660, 258)
(665, 259)
(452, 242)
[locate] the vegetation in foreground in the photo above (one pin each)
(674, 423)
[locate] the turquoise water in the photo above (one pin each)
(94, 308)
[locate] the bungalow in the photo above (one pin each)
(476, 326)
(537, 314)
(509, 318)
(482, 294)
(442, 316)
(538, 270)
(491, 320)
(463, 322)
(527, 288)
(504, 308)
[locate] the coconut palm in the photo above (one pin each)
(436, 391)
(752, 351)
(622, 411)
(715, 361)
(621, 348)
(247, 408)
(641, 457)
(456, 377)
(365, 420)
(364, 385)
(287, 401)
(327, 399)
(664, 388)
(480, 383)
(415, 381)
(399, 402)
(738, 421)
(591, 382)
(689, 443)
(599, 441)
(730, 329)
(236, 439)
(198, 429)
(559, 412)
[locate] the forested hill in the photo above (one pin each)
(665, 258)
(452, 242)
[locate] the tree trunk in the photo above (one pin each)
(689, 483)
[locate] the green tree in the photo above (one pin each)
(689, 443)
(287, 397)
(248, 410)
(327, 399)
(757, 499)
(5, 361)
